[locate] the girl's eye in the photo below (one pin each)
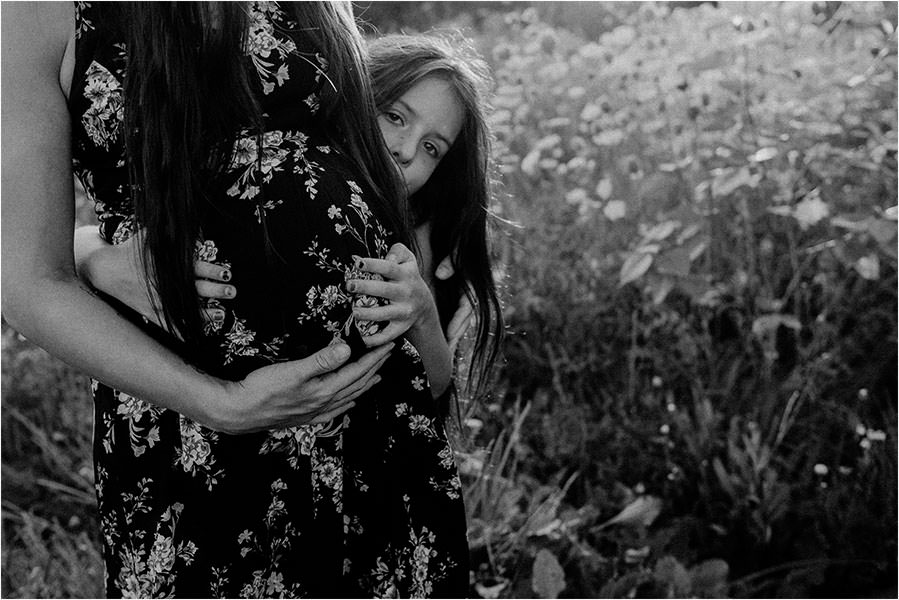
(393, 117)
(432, 150)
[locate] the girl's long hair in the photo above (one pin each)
(188, 93)
(456, 198)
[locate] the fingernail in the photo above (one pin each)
(351, 286)
(230, 291)
(219, 316)
(376, 379)
(226, 275)
(358, 261)
(341, 351)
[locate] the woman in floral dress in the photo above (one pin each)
(367, 503)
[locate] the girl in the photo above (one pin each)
(251, 128)
(431, 96)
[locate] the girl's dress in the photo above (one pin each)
(368, 505)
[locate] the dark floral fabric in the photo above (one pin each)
(367, 505)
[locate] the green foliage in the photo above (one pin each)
(50, 538)
(702, 301)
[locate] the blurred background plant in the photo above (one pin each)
(699, 392)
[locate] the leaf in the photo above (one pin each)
(614, 210)
(661, 290)
(810, 210)
(724, 478)
(783, 211)
(661, 231)
(674, 576)
(709, 578)
(604, 188)
(882, 230)
(491, 591)
(698, 248)
(767, 323)
(611, 137)
(675, 262)
(868, 267)
(547, 578)
(727, 182)
(634, 267)
(642, 511)
(688, 232)
(764, 154)
(847, 222)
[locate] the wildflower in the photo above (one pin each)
(865, 443)
(821, 470)
(636, 555)
(590, 112)
(656, 382)
(529, 163)
(863, 394)
(671, 407)
(860, 429)
(576, 196)
(875, 435)
(664, 429)
(474, 424)
(640, 489)
(614, 210)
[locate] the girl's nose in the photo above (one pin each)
(403, 152)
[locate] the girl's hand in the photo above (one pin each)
(463, 317)
(116, 271)
(462, 320)
(411, 305)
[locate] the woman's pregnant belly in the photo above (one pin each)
(287, 218)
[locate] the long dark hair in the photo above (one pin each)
(188, 93)
(456, 198)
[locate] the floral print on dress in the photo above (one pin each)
(142, 419)
(82, 24)
(265, 19)
(295, 442)
(148, 569)
(273, 542)
(365, 505)
(257, 167)
(103, 118)
(415, 567)
(195, 454)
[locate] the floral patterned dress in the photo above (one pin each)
(367, 505)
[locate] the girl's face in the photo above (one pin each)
(419, 128)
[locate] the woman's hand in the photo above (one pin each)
(116, 270)
(411, 306)
(300, 392)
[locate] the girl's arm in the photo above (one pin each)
(44, 300)
(412, 311)
(462, 318)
